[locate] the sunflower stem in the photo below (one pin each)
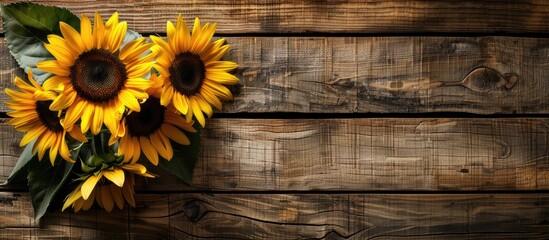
(96, 145)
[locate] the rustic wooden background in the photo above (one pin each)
(353, 119)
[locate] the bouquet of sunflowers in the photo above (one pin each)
(99, 100)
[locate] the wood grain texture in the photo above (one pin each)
(293, 216)
(302, 16)
(359, 155)
(483, 75)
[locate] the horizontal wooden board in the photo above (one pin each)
(358, 155)
(355, 16)
(292, 216)
(483, 75)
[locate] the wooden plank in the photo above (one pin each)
(484, 75)
(361, 154)
(303, 216)
(17, 221)
(355, 16)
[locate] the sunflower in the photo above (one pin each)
(192, 72)
(31, 114)
(107, 187)
(95, 76)
(151, 130)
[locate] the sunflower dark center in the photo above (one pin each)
(48, 118)
(148, 120)
(98, 75)
(187, 73)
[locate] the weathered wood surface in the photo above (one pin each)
(355, 16)
(484, 75)
(291, 216)
(358, 155)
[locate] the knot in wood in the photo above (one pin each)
(194, 210)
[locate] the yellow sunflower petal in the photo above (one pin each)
(54, 81)
(174, 119)
(117, 36)
(140, 70)
(175, 134)
(25, 123)
(222, 66)
(211, 98)
(116, 193)
(183, 36)
(189, 114)
(116, 176)
(30, 113)
(89, 202)
(72, 37)
(137, 94)
(211, 48)
(89, 185)
(196, 32)
(166, 96)
(132, 54)
(43, 142)
(98, 197)
(160, 146)
(98, 31)
(86, 32)
(76, 133)
(148, 150)
(172, 36)
(20, 107)
(97, 122)
(125, 148)
(44, 95)
(218, 89)
(197, 111)
(110, 119)
(63, 100)
(60, 50)
(87, 117)
(222, 77)
(127, 192)
(163, 44)
(24, 86)
(168, 146)
(77, 206)
(129, 101)
(17, 96)
(31, 135)
(130, 50)
(180, 103)
(204, 106)
(215, 56)
(106, 198)
(64, 151)
(58, 141)
(204, 39)
(135, 168)
(73, 196)
(53, 66)
(136, 149)
(112, 22)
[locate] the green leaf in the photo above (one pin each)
(184, 157)
(19, 172)
(130, 36)
(26, 27)
(45, 181)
